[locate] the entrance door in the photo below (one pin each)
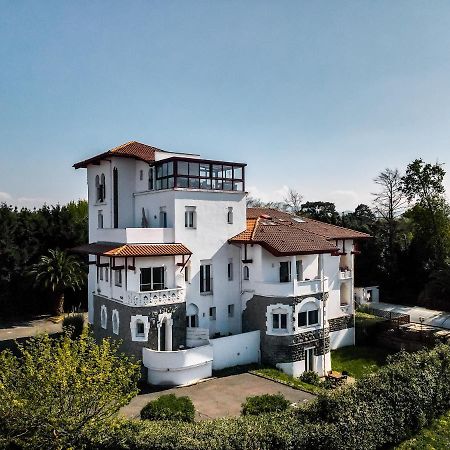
(162, 337)
(309, 360)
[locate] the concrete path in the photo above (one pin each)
(21, 329)
(220, 397)
(434, 318)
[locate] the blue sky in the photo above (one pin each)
(316, 95)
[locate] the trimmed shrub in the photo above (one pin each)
(73, 324)
(169, 407)
(310, 377)
(262, 404)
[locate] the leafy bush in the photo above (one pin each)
(378, 411)
(310, 377)
(262, 404)
(60, 392)
(169, 407)
(73, 324)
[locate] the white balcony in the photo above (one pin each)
(309, 287)
(136, 235)
(155, 298)
(288, 289)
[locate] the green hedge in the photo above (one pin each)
(377, 411)
(169, 407)
(263, 404)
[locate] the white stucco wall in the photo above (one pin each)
(236, 350)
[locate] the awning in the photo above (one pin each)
(120, 250)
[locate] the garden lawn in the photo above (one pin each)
(359, 360)
(436, 436)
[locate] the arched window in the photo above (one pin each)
(103, 317)
(103, 187)
(309, 314)
(246, 273)
(140, 328)
(115, 321)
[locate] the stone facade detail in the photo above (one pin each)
(284, 348)
(341, 323)
(177, 311)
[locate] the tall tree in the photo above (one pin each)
(57, 272)
(293, 201)
(423, 183)
(323, 211)
(389, 203)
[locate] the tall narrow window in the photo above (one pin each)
(230, 270)
(246, 273)
(103, 187)
(150, 179)
(230, 215)
(100, 219)
(152, 279)
(190, 219)
(118, 278)
(162, 217)
(285, 271)
(115, 198)
(205, 278)
(299, 269)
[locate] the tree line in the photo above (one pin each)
(26, 236)
(408, 255)
(409, 221)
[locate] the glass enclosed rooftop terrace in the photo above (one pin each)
(197, 174)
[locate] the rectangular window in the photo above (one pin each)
(230, 310)
(230, 271)
(118, 278)
(302, 319)
(285, 271)
(100, 219)
(205, 278)
(212, 313)
(162, 218)
(190, 218)
(313, 317)
(230, 215)
(152, 279)
(279, 321)
(299, 269)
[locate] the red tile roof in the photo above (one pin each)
(119, 250)
(131, 149)
(282, 233)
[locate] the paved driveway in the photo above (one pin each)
(221, 397)
(431, 317)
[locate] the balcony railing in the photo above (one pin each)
(155, 298)
(290, 288)
(345, 274)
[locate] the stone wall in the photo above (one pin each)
(341, 323)
(282, 349)
(129, 346)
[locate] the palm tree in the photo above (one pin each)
(59, 271)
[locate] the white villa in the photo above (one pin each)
(192, 280)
